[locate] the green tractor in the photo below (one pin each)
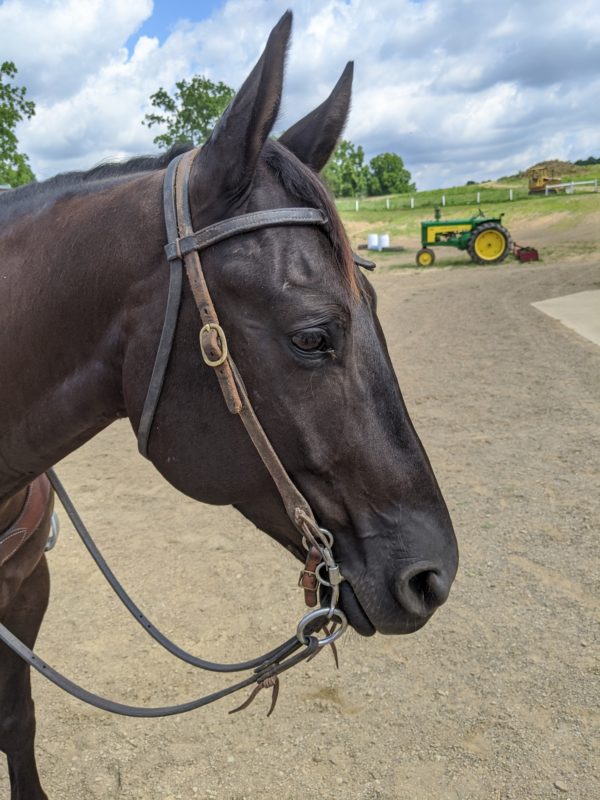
(485, 238)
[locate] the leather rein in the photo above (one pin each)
(321, 576)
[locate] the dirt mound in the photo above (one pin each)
(554, 167)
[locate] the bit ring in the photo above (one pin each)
(327, 614)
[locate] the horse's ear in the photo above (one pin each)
(227, 162)
(314, 138)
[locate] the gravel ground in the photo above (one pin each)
(498, 697)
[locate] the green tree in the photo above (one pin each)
(588, 162)
(388, 175)
(191, 113)
(14, 166)
(346, 173)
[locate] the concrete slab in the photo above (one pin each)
(580, 312)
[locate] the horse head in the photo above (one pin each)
(302, 324)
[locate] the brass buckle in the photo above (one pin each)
(307, 573)
(212, 326)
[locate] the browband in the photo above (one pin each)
(199, 240)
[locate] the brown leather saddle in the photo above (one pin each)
(32, 522)
(22, 544)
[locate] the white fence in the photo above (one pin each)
(499, 196)
(570, 186)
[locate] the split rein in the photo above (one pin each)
(321, 576)
(266, 668)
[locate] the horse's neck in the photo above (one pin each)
(67, 276)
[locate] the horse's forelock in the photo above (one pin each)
(304, 184)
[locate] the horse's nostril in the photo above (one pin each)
(421, 588)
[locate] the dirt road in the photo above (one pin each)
(498, 697)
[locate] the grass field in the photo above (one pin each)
(490, 192)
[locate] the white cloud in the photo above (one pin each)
(460, 89)
(59, 45)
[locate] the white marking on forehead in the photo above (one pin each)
(286, 285)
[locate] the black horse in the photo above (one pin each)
(83, 282)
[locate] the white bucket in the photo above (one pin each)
(372, 241)
(384, 240)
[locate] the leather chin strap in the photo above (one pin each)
(183, 250)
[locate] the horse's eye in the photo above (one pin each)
(310, 341)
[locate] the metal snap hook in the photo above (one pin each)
(324, 540)
(327, 536)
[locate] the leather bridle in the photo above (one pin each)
(321, 576)
(183, 251)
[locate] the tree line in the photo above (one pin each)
(348, 176)
(587, 162)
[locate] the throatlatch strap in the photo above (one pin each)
(165, 345)
(202, 298)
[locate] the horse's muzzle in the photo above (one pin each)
(417, 590)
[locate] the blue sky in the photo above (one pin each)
(461, 89)
(166, 14)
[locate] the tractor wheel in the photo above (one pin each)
(425, 257)
(490, 243)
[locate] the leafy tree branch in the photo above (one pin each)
(14, 166)
(348, 176)
(191, 113)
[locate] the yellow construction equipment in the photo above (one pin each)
(539, 178)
